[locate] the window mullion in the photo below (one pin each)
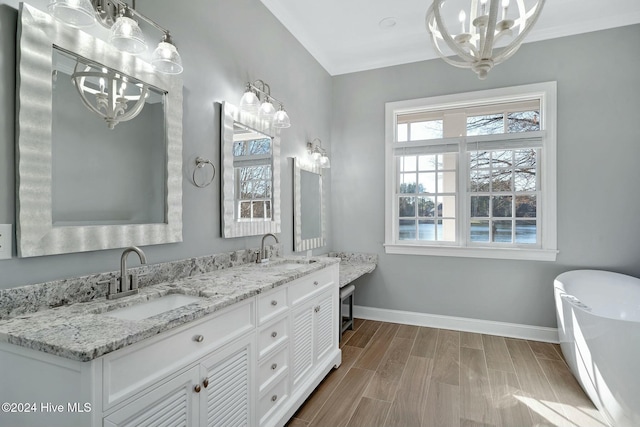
(455, 125)
(464, 193)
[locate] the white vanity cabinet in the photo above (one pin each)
(171, 403)
(273, 354)
(289, 372)
(250, 364)
(217, 389)
(214, 392)
(313, 324)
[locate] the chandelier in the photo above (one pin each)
(491, 35)
(109, 94)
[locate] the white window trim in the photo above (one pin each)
(547, 93)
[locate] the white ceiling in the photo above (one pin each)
(345, 36)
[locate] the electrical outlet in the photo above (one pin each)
(6, 241)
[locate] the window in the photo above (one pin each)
(252, 167)
(473, 174)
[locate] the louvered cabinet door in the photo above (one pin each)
(226, 386)
(174, 403)
(302, 348)
(314, 326)
(325, 325)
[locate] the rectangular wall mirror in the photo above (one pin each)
(309, 219)
(250, 174)
(88, 182)
(132, 154)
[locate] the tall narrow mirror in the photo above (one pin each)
(308, 206)
(250, 175)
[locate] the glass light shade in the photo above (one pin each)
(316, 154)
(267, 110)
(76, 13)
(249, 101)
(325, 163)
(281, 119)
(127, 36)
(166, 59)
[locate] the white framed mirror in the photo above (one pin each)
(81, 185)
(309, 220)
(250, 157)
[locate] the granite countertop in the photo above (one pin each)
(351, 270)
(85, 331)
(354, 265)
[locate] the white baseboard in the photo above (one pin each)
(511, 330)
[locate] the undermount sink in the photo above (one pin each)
(285, 265)
(291, 266)
(153, 307)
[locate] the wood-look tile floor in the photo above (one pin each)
(401, 375)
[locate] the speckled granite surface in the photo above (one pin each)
(84, 331)
(43, 296)
(355, 257)
(354, 265)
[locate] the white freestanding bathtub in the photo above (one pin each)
(599, 327)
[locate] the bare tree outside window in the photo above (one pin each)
(252, 160)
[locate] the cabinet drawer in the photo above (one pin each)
(308, 286)
(272, 400)
(131, 369)
(272, 366)
(272, 335)
(272, 304)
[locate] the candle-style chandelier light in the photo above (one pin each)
(493, 32)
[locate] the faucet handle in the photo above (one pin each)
(113, 285)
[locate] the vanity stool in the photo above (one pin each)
(346, 308)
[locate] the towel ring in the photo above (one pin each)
(200, 163)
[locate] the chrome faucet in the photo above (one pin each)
(262, 256)
(128, 283)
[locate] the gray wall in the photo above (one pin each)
(226, 43)
(223, 45)
(598, 178)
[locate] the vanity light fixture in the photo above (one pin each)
(318, 154)
(281, 118)
(76, 13)
(257, 99)
(492, 34)
(125, 33)
(166, 58)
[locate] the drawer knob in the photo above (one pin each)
(197, 388)
(317, 308)
(205, 383)
(274, 302)
(198, 338)
(274, 397)
(274, 366)
(274, 334)
(315, 283)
